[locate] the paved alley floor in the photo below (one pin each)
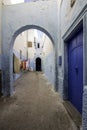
(35, 106)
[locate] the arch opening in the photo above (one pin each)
(38, 64)
(27, 27)
(48, 69)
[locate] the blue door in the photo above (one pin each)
(75, 70)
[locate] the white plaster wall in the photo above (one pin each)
(9, 2)
(68, 14)
(21, 44)
(48, 60)
(20, 17)
(48, 46)
(14, 19)
(31, 50)
(6, 2)
(39, 39)
(66, 17)
(34, 51)
(46, 17)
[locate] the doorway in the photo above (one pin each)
(75, 70)
(38, 64)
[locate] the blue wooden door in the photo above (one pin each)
(75, 70)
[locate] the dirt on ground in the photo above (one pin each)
(34, 106)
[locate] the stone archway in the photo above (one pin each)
(17, 21)
(24, 28)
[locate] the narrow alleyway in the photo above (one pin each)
(35, 106)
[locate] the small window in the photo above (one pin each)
(38, 45)
(29, 44)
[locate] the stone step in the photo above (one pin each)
(74, 114)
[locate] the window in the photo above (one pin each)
(35, 42)
(29, 44)
(38, 45)
(72, 3)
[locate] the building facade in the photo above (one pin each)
(66, 26)
(72, 46)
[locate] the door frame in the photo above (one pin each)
(73, 90)
(78, 27)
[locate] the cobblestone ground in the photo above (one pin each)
(35, 106)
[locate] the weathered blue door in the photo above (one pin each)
(75, 70)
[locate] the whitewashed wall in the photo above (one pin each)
(6, 2)
(48, 60)
(34, 51)
(9, 2)
(21, 44)
(68, 19)
(20, 17)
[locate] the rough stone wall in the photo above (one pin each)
(17, 18)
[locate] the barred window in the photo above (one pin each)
(38, 45)
(29, 44)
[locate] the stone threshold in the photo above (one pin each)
(74, 114)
